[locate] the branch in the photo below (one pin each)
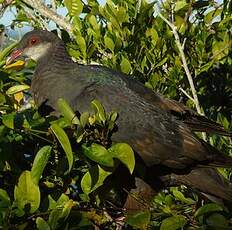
(185, 66)
(49, 13)
(184, 63)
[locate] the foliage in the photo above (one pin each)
(53, 169)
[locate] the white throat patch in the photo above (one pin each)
(37, 51)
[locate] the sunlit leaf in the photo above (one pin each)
(39, 163)
(93, 179)
(99, 110)
(207, 208)
(67, 111)
(74, 7)
(125, 65)
(139, 220)
(8, 120)
(41, 224)
(124, 153)
(27, 193)
(17, 88)
(64, 141)
(173, 223)
(18, 65)
(99, 154)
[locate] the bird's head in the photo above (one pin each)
(35, 45)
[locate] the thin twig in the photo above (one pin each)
(185, 65)
(186, 94)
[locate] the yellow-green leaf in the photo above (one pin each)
(99, 154)
(74, 7)
(42, 224)
(27, 193)
(67, 111)
(64, 141)
(16, 89)
(124, 153)
(40, 162)
(93, 179)
(125, 65)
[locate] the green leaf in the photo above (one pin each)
(109, 43)
(125, 65)
(84, 119)
(99, 110)
(4, 198)
(7, 51)
(180, 5)
(173, 222)
(16, 89)
(27, 193)
(74, 7)
(140, 220)
(99, 154)
(93, 179)
(82, 44)
(124, 153)
(217, 221)
(67, 111)
(207, 208)
(8, 120)
(64, 141)
(39, 163)
(93, 22)
(41, 224)
(180, 196)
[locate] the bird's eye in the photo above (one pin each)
(33, 41)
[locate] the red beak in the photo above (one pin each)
(14, 55)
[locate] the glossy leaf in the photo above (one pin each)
(64, 141)
(8, 120)
(18, 65)
(173, 223)
(124, 153)
(17, 88)
(74, 7)
(93, 179)
(207, 208)
(40, 161)
(67, 111)
(27, 193)
(139, 220)
(41, 224)
(4, 198)
(99, 110)
(99, 154)
(125, 65)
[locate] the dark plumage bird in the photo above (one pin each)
(159, 130)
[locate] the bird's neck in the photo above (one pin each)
(55, 58)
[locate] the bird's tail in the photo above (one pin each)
(206, 180)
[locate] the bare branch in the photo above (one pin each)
(185, 93)
(185, 66)
(51, 14)
(184, 63)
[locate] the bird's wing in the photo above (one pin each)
(195, 121)
(157, 136)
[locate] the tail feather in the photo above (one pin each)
(206, 180)
(216, 158)
(199, 123)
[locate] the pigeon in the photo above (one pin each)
(160, 130)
